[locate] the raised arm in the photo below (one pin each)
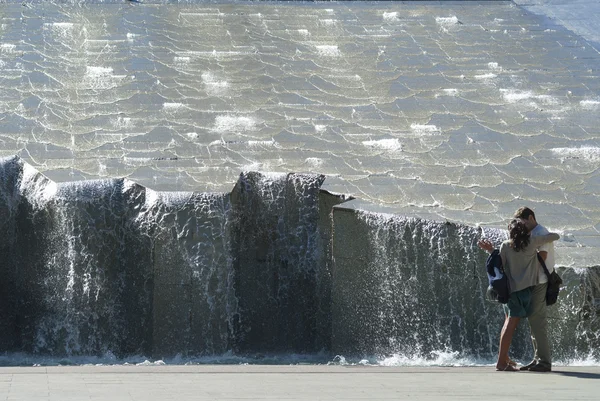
(539, 240)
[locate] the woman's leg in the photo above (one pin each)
(510, 324)
(510, 361)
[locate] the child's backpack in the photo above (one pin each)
(499, 288)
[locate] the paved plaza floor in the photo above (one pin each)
(252, 382)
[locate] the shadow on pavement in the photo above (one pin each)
(581, 375)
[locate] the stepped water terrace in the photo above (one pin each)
(237, 179)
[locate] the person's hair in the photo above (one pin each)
(519, 236)
(524, 213)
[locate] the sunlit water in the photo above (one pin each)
(140, 236)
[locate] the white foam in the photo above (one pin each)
(494, 66)
(8, 47)
(516, 96)
(320, 128)
(181, 60)
(213, 85)
(219, 142)
(547, 99)
(98, 71)
(587, 153)
(489, 75)
(513, 96)
(172, 106)
(63, 25)
(40, 194)
(590, 104)
(123, 122)
(148, 363)
(453, 20)
(437, 358)
(102, 169)
(192, 135)
(448, 92)
(391, 16)
(328, 50)
(255, 166)
(385, 144)
(304, 32)
(270, 143)
(62, 28)
(230, 123)
(100, 77)
(314, 161)
(328, 22)
(424, 128)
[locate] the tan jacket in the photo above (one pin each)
(522, 267)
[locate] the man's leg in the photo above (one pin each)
(538, 324)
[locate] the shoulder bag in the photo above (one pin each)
(554, 283)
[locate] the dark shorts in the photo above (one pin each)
(519, 303)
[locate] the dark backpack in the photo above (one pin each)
(499, 288)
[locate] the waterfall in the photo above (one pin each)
(277, 261)
(415, 288)
(276, 266)
(194, 304)
(108, 267)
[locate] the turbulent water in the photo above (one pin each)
(416, 289)
(176, 178)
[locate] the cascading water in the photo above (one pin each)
(194, 303)
(417, 291)
(277, 262)
(108, 267)
(97, 284)
(84, 270)
(433, 109)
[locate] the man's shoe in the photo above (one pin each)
(527, 367)
(540, 368)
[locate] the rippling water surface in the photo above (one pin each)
(459, 110)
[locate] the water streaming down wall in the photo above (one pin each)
(79, 268)
(194, 303)
(278, 263)
(416, 288)
(11, 282)
(109, 267)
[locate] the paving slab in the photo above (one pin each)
(297, 382)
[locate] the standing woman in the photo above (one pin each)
(519, 259)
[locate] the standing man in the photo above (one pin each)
(538, 316)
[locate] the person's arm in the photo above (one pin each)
(539, 240)
(543, 249)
